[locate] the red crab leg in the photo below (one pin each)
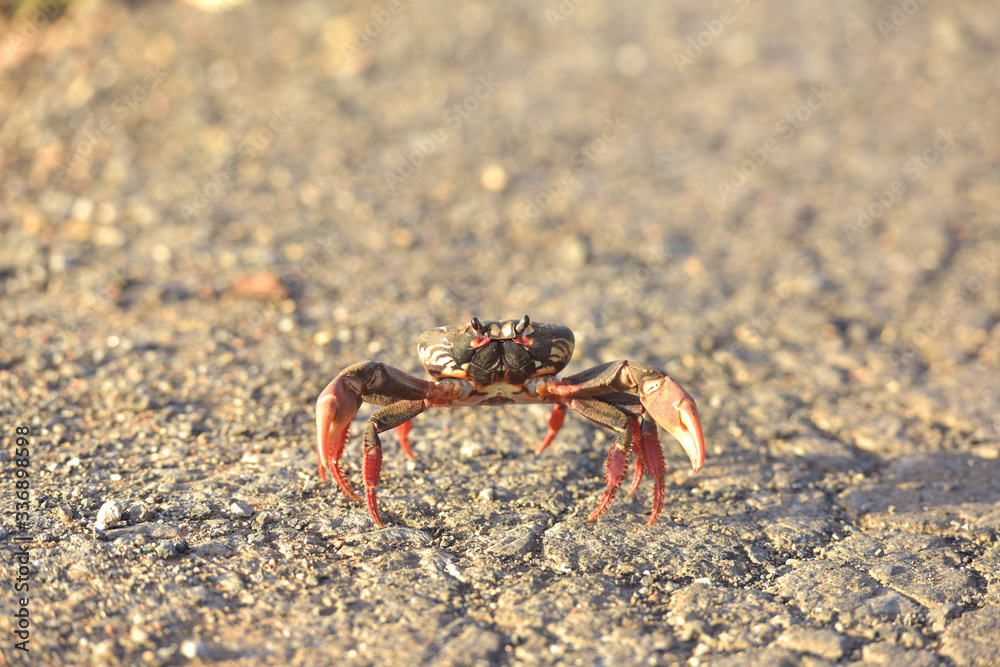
(609, 416)
(403, 433)
(640, 454)
(371, 471)
(653, 461)
(391, 416)
(614, 473)
(555, 423)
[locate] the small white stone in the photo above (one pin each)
(109, 514)
(191, 649)
(239, 508)
(470, 449)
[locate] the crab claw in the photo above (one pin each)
(335, 409)
(673, 409)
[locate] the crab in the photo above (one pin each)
(510, 361)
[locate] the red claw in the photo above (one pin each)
(673, 409)
(335, 409)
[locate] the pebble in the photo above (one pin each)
(109, 515)
(470, 449)
(171, 548)
(212, 549)
(194, 649)
(139, 513)
(240, 509)
(261, 520)
(493, 178)
(62, 515)
(574, 251)
(517, 541)
(266, 285)
(201, 511)
(824, 643)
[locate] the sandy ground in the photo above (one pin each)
(791, 207)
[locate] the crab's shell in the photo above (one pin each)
(498, 353)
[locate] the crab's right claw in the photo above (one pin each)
(335, 410)
(675, 411)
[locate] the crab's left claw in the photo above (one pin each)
(335, 409)
(673, 409)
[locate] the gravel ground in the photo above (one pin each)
(788, 206)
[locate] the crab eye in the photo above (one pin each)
(522, 325)
(477, 326)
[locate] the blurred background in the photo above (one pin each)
(694, 175)
(208, 209)
(789, 185)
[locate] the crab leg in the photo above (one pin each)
(391, 416)
(652, 459)
(609, 416)
(402, 431)
(640, 454)
(555, 423)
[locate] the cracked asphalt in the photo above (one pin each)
(207, 213)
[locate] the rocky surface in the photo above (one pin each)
(790, 207)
